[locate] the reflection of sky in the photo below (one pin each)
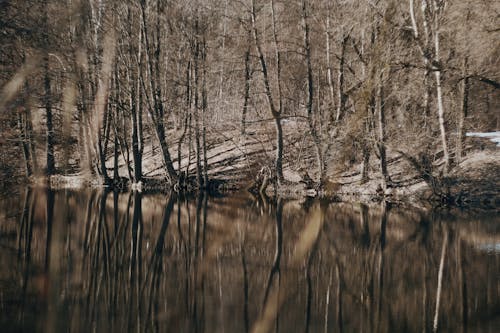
(489, 247)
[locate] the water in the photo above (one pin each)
(92, 261)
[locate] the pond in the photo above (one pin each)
(95, 261)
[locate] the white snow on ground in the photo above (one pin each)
(489, 247)
(493, 136)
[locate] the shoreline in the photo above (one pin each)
(459, 192)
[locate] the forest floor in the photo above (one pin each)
(235, 159)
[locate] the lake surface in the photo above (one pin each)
(90, 261)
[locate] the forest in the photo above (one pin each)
(118, 92)
(250, 165)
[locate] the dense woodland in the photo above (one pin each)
(84, 82)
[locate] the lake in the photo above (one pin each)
(96, 261)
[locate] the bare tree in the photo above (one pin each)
(275, 111)
(428, 43)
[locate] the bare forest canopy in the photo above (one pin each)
(100, 88)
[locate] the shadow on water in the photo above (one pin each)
(105, 261)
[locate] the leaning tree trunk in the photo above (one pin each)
(160, 132)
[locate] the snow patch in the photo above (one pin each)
(492, 136)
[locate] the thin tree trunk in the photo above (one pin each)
(424, 48)
(116, 174)
(157, 112)
(136, 109)
(102, 146)
(382, 132)
(114, 123)
(279, 150)
(82, 107)
(463, 113)
(47, 98)
(186, 116)
(427, 95)
(197, 139)
(442, 129)
(204, 108)
(223, 51)
(25, 137)
(340, 86)
(49, 122)
(248, 75)
(366, 162)
(275, 112)
(160, 132)
(310, 96)
(31, 141)
(328, 62)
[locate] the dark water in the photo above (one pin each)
(92, 261)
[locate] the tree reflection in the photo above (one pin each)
(112, 262)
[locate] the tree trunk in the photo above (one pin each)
(279, 150)
(204, 108)
(366, 163)
(103, 145)
(49, 122)
(382, 133)
(116, 174)
(424, 46)
(328, 62)
(442, 129)
(310, 96)
(186, 115)
(275, 112)
(136, 110)
(463, 113)
(223, 52)
(248, 75)
(427, 97)
(340, 85)
(197, 134)
(156, 111)
(24, 138)
(160, 132)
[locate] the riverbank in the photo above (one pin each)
(474, 183)
(235, 160)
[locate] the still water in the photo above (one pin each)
(91, 261)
